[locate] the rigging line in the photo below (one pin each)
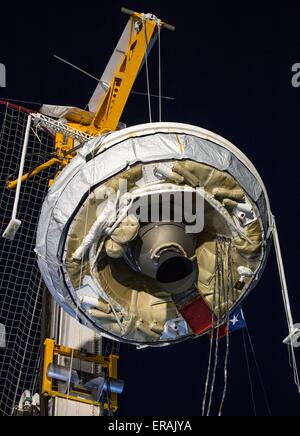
(229, 284)
(249, 374)
(225, 371)
(86, 73)
(217, 334)
(37, 136)
(259, 372)
(159, 72)
(290, 356)
(211, 338)
(295, 368)
(76, 68)
(208, 368)
(163, 97)
(147, 73)
(281, 271)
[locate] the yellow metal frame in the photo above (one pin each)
(111, 107)
(52, 351)
(50, 163)
(113, 103)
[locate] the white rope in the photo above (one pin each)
(214, 372)
(125, 204)
(159, 73)
(281, 270)
(93, 262)
(147, 73)
(212, 388)
(76, 68)
(97, 79)
(34, 131)
(229, 286)
(220, 273)
(209, 367)
(215, 327)
(221, 288)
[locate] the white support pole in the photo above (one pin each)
(282, 277)
(292, 338)
(14, 224)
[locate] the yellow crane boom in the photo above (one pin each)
(106, 117)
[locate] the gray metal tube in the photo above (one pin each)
(131, 12)
(169, 27)
(127, 11)
(115, 386)
(62, 374)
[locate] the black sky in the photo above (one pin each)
(230, 74)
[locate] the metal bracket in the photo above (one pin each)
(51, 353)
(293, 339)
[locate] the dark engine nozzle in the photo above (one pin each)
(175, 273)
(162, 251)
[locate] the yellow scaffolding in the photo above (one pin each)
(51, 353)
